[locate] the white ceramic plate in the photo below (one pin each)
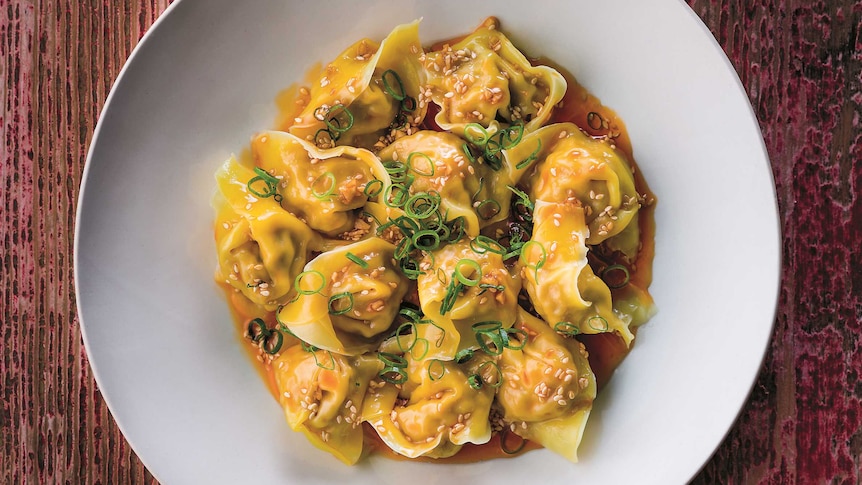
(203, 80)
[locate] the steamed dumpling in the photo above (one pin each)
(548, 388)
(321, 393)
(560, 282)
(261, 247)
(485, 77)
(344, 306)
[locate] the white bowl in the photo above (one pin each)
(159, 336)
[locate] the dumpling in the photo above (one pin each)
(347, 298)
(433, 413)
(562, 286)
(323, 187)
(438, 163)
(368, 90)
(485, 291)
(573, 166)
(485, 77)
(261, 247)
(322, 395)
(548, 388)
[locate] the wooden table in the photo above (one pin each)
(800, 62)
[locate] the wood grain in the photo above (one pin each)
(800, 63)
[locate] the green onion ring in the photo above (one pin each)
(387, 375)
(520, 343)
(420, 243)
(331, 190)
(417, 172)
(442, 367)
(328, 120)
(459, 273)
(336, 298)
(613, 268)
(356, 259)
(464, 355)
(511, 451)
(533, 156)
(478, 141)
(392, 360)
(485, 215)
(400, 95)
(499, 380)
(296, 282)
(475, 381)
(567, 329)
(375, 191)
(601, 326)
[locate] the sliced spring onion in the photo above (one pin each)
(595, 120)
(392, 360)
(483, 244)
(466, 149)
(426, 240)
(609, 275)
(373, 188)
(403, 248)
(407, 328)
(523, 198)
(512, 135)
(509, 450)
(410, 312)
(520, 342)
(408, 104)
(410, 268)
(323, 178)
(452, 292)
(336, 300)
(456, 229)
(567, 329)
(476, 134)
(270, 181)
(257, 329)
(356, 259)
(334, 123)
(598, 323)
(395, 195)
(422, 344)
(497, 381)
(463, 264)
(422, 205)
(412, 166)
(400, 94)
(530, 159)
(393, 375)
(475, 381)
(330, 365)
(487, 209)
(312, 273)
(324, 138)
(464, 355)
(541, 261)
(491, 336)
(436, 369)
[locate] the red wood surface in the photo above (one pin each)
(800, 62)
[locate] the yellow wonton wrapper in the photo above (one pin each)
(548, 388)
(322, 393)
(441, 413)
(439, 164)
(484, 76)
(264, 246)
(303, 171)
(453, 331)
(354, 80)
(561, 284)
(377, 291)
(572, 165)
